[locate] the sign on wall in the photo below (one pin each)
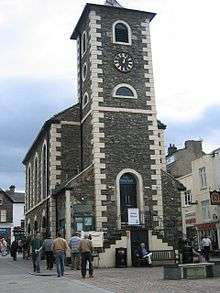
(215, 197)
(97, 238)
(133, 217)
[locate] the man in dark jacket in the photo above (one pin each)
(14, 249)
(36, 244)
(47, 249)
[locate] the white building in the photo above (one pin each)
(199, 216)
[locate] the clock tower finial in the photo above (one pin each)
(112, 3)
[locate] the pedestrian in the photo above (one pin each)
(86, 249)
(14, 249)
(48, 251)
(4, 246)
(206, 246)
(36, 247)
(59, 248)
(75, 254)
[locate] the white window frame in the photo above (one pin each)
(3, 220)
(124, 97)
(83, 100)
(84, 34)
(206, 215)
(84, 75)
(202, 177)
(129, 33)
(188, 198)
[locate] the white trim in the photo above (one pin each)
(129, 33)
(86, 45)
(140, 194)
(84, 75)
(125, 97)
(83, 100)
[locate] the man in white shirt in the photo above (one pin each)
(206, 245)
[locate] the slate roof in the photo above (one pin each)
(16, 197)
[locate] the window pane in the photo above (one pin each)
(121, 33)
(124, 91)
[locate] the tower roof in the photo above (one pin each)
(89, 7)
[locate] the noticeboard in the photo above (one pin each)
(133, 217)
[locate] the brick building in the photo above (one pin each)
(93, 162)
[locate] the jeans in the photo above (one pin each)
(36, 261)
(86, 256)
(75, 260)
(49, 258)
(60, 256)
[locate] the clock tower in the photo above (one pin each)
(120, 134)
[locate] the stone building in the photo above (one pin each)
(11, 213)
(96, 161)
(178, 161)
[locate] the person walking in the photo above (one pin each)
(59, 248)
(14, 249)
(4, 247)
(86, 249)
(36, 247)
(75, 254)
(206, 246)
(47, 249)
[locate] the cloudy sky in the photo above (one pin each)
(38, 71)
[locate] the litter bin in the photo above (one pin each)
(121, 257)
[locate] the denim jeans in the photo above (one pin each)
(60, 256)
(36, 261)
(86, 256)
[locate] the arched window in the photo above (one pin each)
(36, 171)
(84, 43)
(85, 100)
(44, 172)
(128, 195)
(121, 33)
(124, 91)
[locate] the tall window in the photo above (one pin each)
(121, 33)
(36, 170)
(44, 172)
(29, 188)
(202, 177)
(128, 195)
(1, 200)
(188, 197)
(205, 210)
(83, 43)
(3, 216)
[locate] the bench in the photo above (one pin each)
(160, 257)
(188, 271)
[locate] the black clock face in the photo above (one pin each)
(123, 62)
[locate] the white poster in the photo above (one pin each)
(133, 217)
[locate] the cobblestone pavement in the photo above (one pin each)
(129, 280)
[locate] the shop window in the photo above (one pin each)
(84, 223)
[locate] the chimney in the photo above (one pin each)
(12, 188)
(171, 149)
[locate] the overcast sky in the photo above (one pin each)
(38, 71)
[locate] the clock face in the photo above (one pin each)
(123, 62)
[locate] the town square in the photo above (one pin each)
(110, 162)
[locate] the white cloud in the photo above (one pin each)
(185, 48)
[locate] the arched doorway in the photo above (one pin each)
(128, 195)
